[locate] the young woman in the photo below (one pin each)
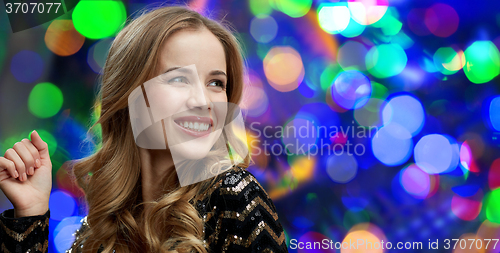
(135, 200)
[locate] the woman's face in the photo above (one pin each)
(188, 95)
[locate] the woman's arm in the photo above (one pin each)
(24, 234)
(244, 218)
(26, 180)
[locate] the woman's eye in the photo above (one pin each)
(179, 79)
(217, 84)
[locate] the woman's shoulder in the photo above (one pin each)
(237, 182)
(237, 190)
(238, 178)
(239, 215)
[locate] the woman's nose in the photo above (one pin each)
(198, 97)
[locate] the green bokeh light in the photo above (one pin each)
(294, 8)
(45, 100)
(379, 90)
(493, 206)
(482, 62)
(10, 141)
(260, 7)
(403, 40)
(389, 23)
(392, 27)
(386, 60)
(99, 19)
(328, 75)
(444, 55)
(48, 138)
(353, 29)
(311, 196)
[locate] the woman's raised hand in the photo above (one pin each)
(26, 176)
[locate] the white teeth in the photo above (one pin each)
(196, 126)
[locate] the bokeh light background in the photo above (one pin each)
(422, 76)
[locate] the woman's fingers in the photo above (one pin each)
(12, 155)
(33, 151)
(26, 157)
(9, 166)
(42, 146)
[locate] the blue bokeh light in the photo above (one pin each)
(392, 144)
(494, 113)
(405, 110)
(61, 205)
(27, 66)
(435, 154)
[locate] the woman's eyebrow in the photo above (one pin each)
(184, 70)
(217, 72)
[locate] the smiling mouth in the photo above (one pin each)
(195, 124)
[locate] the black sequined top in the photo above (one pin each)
(238, 213)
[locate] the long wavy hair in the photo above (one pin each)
(111, 176)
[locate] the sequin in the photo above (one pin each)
(21, 236)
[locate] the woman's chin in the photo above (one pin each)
(190, 151)
(195, 149)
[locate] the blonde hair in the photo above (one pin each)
(111, 177)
